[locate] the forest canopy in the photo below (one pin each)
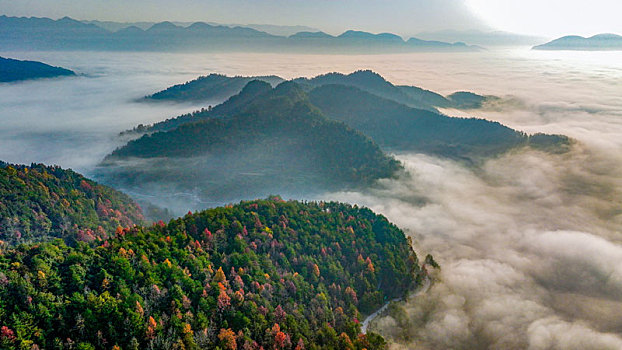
(259, 274)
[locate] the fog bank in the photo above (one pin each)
(530, 244)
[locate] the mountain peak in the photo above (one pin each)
(163, 26)
(304, 35)
(289, 89)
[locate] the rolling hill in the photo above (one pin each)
(16, 70)
(265, 273)
(214, 86)
(39, 203)
(21, 33)
(600, 42)
(276, 142)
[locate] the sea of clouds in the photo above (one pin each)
(530, 244)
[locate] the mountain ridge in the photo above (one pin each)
(17, 70)
(598, 42)
(271, 140)
(262, 273)
(35, 33)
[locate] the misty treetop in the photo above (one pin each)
(39, 202)
(213, 86)
(265, 274)
(273, 142)
(15, 70)
(398, 127)
(398, 118)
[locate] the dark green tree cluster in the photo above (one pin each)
(276, 142)
(15, 70)
(265, 274)
(39, 202)
(398, 127)
(398, 118)
(210, 87)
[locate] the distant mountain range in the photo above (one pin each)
(15, 70)
(268, 28)
(20, 33)
(600, 42)
(483, 38)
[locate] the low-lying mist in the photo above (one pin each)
(74, 122)
(530, 244)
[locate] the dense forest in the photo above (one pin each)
(39, 202)
(302, 138)
(215, 86)
(398, 118)
(397, 127)
(264, 274)
(15, 70)
(277, 143)
(210, 87)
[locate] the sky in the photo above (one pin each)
(547, 18)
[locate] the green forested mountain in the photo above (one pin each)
(216, 86)
(276, 143)
(393, 125)
(211, 87)
(233, 105)
(14, 70)
(401, 128)
(39, 202)
(374, 83)
(265, 274)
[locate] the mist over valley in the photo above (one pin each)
(529, 240)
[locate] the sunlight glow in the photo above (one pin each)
(550, 18)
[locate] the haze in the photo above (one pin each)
(404, 17)
(529, 244)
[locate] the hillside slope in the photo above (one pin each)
(400, 128)
(275, 143)
(210, 87)
(264, 274)
(39, 202)
(15, 70)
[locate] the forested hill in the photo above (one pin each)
(393, 125)
(210, 87)
(264, 274)
(599, 42)
(41, 202)
(15, 70)
(401, 128)
(216, 86)
(276, 143)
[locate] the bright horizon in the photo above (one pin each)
(403, 17)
